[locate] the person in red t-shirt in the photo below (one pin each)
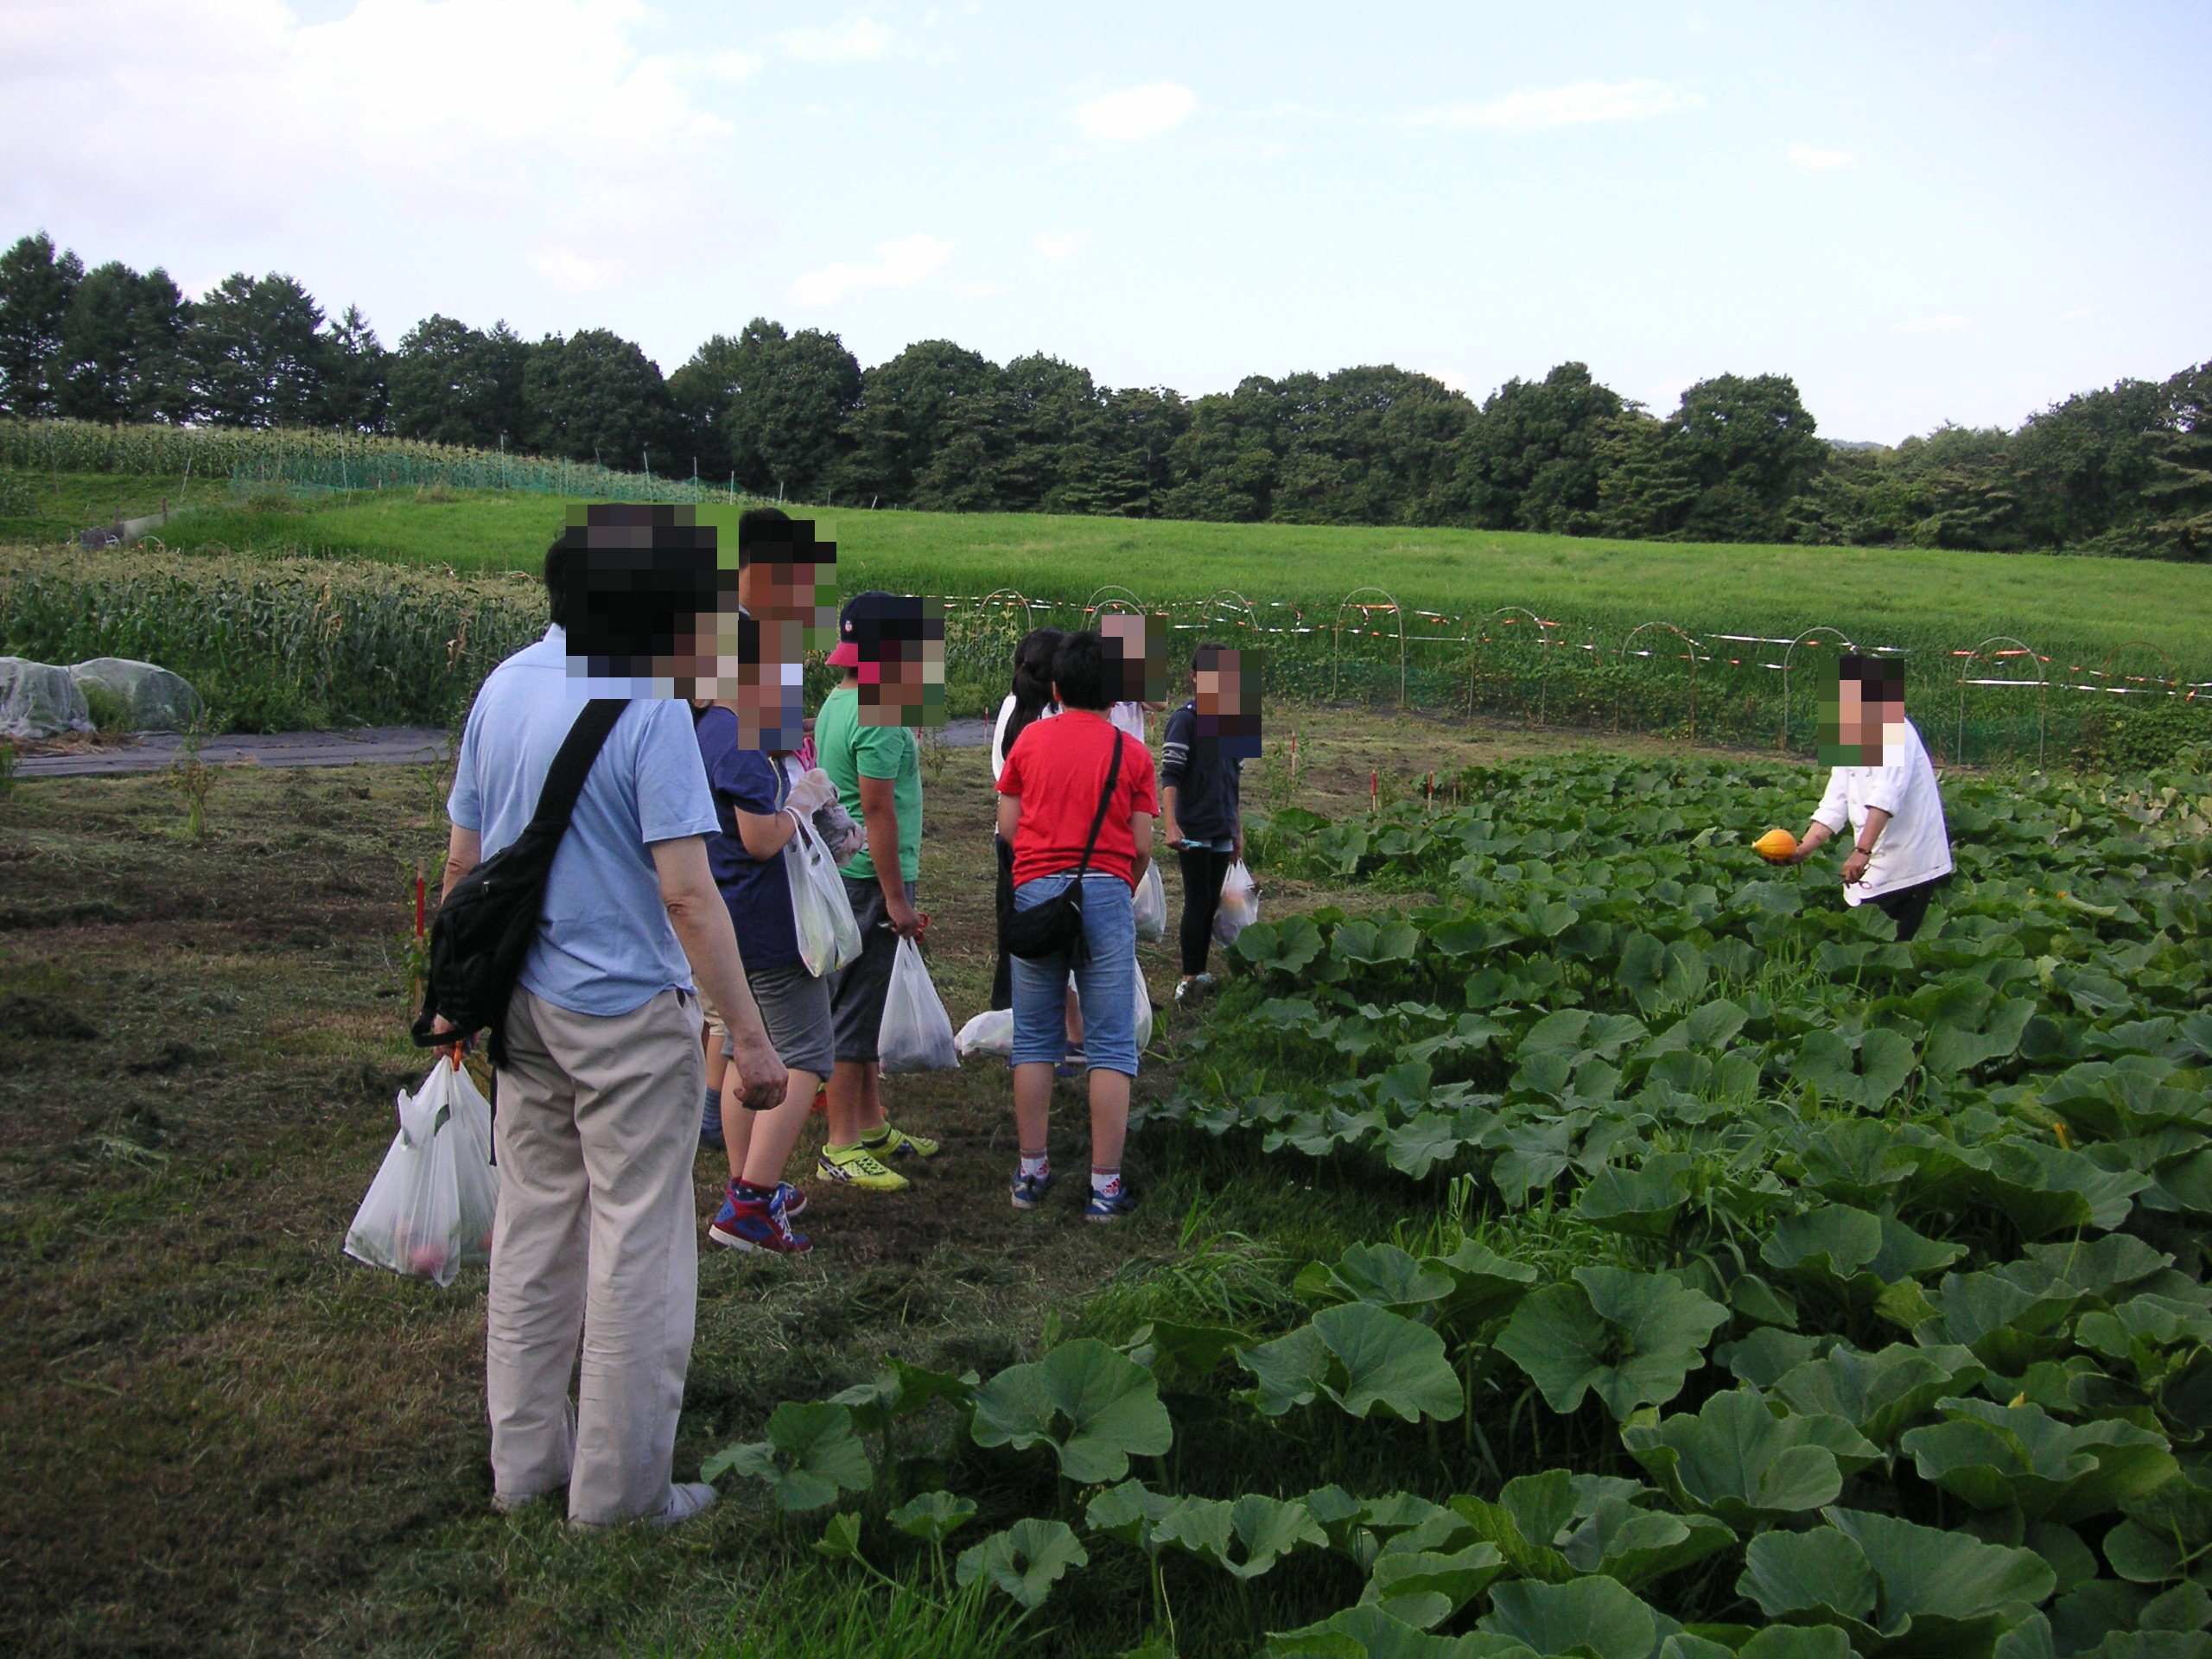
(1048, 796)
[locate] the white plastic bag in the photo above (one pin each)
(1240, 905)
(1151, 906)
(429, 1213)
(990, 1032)
(917, 1032)
(822, 914)
(1143, 1015)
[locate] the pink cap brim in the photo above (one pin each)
(848, 655)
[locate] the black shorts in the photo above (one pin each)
(856, 995)
(1908, 907)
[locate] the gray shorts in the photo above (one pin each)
(795, 1007)
(856, 995)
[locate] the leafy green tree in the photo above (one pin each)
(258, 352)
(1530, 460)
(1226, 464)
(2083, 464)
(2179, 491)
(771, 407)
(123, 349)
(908, 410)
(36, 286)
(596, 396)
(1645, 485)
(357, 393)
(452, 384)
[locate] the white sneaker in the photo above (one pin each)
(685, 1499)
(504, 1504)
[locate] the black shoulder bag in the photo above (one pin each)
(1055, 927)
(485, 925)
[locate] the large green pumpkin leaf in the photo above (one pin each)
(1369, 1632)
(2007, 1325)
(1026, 1561)
(1879, 1394)
(2042, 1188)
(1484, 1284)
(1642, 1202)
(899, 1390)
(1867, 1071)
(1591, 1619)
(2020, 1457)
(809, 1456)
(1851, 1254)
(1132, 1512)
(1093, 1407)
(1369, 944)
(1739, 1459)
(933, 1516)
(1899, 1588)
(1363, 1359)
(1178, 1353)
(1426, 1586)
(1631, 1337)
(1245, 1536)
(1381, 1275)
(1638, 1545)
(1288, 946)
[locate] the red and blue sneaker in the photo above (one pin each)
(756, 1225)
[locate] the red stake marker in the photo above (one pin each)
(418, 903)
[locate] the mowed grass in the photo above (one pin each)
(1918, 599)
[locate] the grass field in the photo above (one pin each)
(1917, 599)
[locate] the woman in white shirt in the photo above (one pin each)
(1901, 848)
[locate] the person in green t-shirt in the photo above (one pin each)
(863, 738)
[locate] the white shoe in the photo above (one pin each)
(685, 1499)
(504, 1504)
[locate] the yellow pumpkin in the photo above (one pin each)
(1775, 846)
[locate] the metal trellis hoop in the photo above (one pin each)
(1353, 601)
(1849, 648)
(2042, 682)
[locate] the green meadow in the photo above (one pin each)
(1911, 598)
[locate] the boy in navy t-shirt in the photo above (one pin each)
(758, 807)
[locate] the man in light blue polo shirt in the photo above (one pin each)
(598, 1105)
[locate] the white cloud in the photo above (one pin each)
(1942, 322)
(576, 273)
(733, 66)
(1136, 113)
(1807, 159)
(857, 37)
(899, 263)
(1059, 245)
(1536, 109)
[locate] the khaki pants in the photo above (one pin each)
(598, 1124)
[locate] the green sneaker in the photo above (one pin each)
(857, 1167)
(897, 1144)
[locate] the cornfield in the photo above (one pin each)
(277, 644)
(158, 451)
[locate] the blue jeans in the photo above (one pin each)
(1105, 985)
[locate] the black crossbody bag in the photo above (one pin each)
(487, 925)
(1055, 927)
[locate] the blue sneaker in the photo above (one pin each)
(756, 1225)
(793, 1200)
(1103, 1208)
(1029, 1191)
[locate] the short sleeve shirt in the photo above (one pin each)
(758, 891)
(848, 751)
(604, 943)
(1057, 768)
(1916, 846)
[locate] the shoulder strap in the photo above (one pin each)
(1105, 800)
(564, 780)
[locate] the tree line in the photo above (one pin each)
(2123, 470)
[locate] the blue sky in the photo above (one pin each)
(1921, 211)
